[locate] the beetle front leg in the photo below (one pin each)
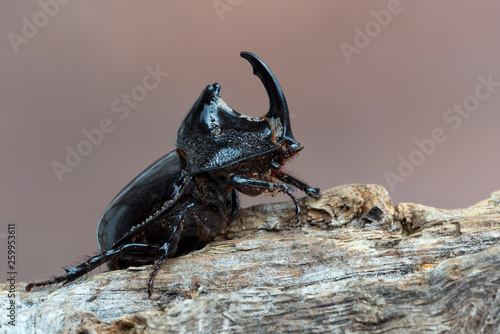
(240, 181)
(310, 191)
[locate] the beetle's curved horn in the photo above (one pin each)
(278, 107)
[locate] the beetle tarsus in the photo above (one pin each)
(297, 206)
(72, 273)
(310, 191)
(153, 274)
(55, 280)
(313, 192)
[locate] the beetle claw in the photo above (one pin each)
(313, 192)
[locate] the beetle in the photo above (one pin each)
(182, 200)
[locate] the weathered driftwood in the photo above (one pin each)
(354, 263)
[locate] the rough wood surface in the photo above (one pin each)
(354, 263)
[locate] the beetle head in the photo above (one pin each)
(214, 136)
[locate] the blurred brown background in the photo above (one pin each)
(357, 112)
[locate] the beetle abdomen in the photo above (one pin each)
(151, 194)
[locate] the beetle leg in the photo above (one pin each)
(239, 180)
(297, 206)
(167, 249)
(72, 273)
(157, 266)
(310, 191)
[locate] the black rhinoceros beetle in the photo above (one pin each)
(186, 197)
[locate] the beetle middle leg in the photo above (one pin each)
(167, 250)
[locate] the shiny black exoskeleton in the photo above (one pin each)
(186, 197)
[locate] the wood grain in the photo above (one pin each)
(354, 263)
